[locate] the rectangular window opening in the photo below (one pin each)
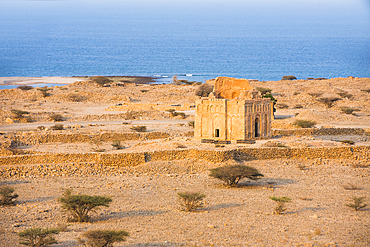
(217, 133)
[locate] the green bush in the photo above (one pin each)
(7, 196)
(263, 90)
(191, 200)
(100, 80)
(139, 128)
(79, 206)
(357, 203)
(38, 237)
(280, 207)
(232, 174)
(289, 77)
(102, 238)
(204, 90)
(300, 123)
(269, 96)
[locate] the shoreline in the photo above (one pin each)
(19, 80)
(38, 80)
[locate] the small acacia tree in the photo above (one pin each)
(280, 207)
(102, 238)
(79, 206)
(7, 196)
(191, 200)
(232, 174)
(38, 237)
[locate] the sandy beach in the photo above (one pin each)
(38, 80)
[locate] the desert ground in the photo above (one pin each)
(145, 201)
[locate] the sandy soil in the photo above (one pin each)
(145, 197)
(145, 204)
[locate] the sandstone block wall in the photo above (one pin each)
(133, 159)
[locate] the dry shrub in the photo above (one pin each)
(281, 106)
(263, 90)
(349, 142)
(117, 144)
(25, 87)
(102, 238)
(191, 200)
(57, 127)
(74, 97)
(139, 128)
(357, 203)
(179, 145)
(16, 151)
(345, 95)
(130, 115)
(348, 110)
(289, 77)
(315, 94)
(204, 90)
(328, 102)
(298, 106)
(100, 80)
(191, 123)
(300, 123)
(280, 207)
(7, 196)
(56, 117)
(351, 187)
(18, 114)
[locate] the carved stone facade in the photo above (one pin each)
(233, 112)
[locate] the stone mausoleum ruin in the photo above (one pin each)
(233, 112)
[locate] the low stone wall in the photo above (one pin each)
(133, 159)
(320, 131)
(32, 138)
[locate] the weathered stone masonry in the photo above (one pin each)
(233, 112)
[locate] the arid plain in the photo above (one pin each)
(144, 194)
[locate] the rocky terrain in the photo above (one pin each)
(144, 197)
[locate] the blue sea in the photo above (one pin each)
(196, 42)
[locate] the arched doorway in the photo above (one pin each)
(257, 130)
